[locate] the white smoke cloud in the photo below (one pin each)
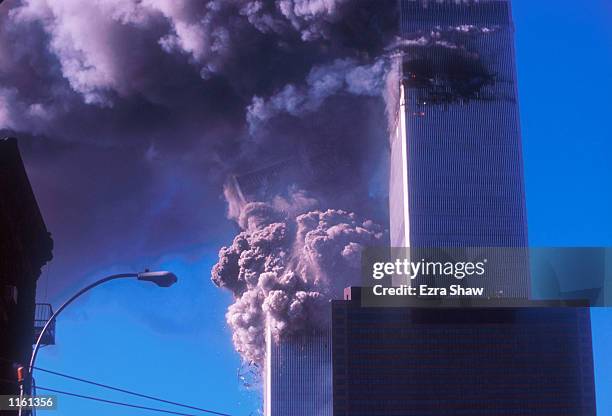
(324, 81)
(450, 37)
(92, 56)
(309, 16)
(99, 43)
(283, 271)
(7, 97)
(17, 114)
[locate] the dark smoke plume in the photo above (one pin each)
(168, 92)
(177, 95)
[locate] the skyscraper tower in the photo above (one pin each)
(456, 181)
(456, 163)
(298, 375)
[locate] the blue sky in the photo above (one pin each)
(171, 343)
(174, 343)
(564, 58)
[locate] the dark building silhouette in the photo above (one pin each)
(461, 361)
(25, 246)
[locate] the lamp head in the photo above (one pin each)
(160, 278)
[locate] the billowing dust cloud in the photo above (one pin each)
(284, 270)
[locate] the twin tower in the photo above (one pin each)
(456, 181)
(456, 174)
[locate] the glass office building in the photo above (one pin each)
(461, 361)
(456, 174)
(456, 162)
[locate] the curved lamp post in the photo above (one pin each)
(160, 278)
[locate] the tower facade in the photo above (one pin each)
(456, 161)
(298, 375)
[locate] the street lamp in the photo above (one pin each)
(160, 278)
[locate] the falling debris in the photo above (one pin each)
(249, 375)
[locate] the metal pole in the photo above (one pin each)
(58, 311)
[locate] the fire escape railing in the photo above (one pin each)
(41, 315)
